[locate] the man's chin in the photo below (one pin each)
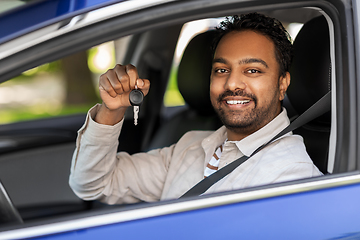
(238, 127)
(244, 124)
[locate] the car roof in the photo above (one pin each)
(39, 13)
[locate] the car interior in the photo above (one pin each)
(35, 155)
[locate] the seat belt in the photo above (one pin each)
(316, 110)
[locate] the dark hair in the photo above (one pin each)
(269, 27)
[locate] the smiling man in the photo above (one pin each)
(249, 78)
(246, 82)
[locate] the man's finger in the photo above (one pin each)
(115, 82)
(104, 84)
(133, 74)
(143, 85)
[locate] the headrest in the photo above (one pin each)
(194, 73)
(311, 66)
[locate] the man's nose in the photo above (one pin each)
(235, 81)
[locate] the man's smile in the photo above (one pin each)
(237, 101)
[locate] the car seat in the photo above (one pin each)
(194, 85)
(311, 80)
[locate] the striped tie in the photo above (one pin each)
(213, 165)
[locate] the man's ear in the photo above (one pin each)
(284, 83)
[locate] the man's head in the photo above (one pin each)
(269, 27)
(249, 74)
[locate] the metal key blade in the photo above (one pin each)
(136, 114)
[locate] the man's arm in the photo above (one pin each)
(97, 171)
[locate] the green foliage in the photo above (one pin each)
(172, 95)
(53, 67)
(25, 113)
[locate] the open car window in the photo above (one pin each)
(36, 152)
(63, 87)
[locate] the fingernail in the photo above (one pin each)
(140, 83)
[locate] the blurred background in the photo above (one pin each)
(58, 88)
(70, 85)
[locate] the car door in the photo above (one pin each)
(297, 210)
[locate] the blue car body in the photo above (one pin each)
(35, 15)
(294, 216)
(326, 207)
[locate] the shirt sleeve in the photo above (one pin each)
(98, 172)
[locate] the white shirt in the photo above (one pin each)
(98, 172)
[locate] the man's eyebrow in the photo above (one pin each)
(253, 60)
(243, 61)
(219, 60)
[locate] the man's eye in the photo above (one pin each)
(221, 70)
(253, 71)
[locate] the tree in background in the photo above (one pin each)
(78, 78)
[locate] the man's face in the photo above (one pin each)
(246, 87)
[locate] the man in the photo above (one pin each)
(249, 78)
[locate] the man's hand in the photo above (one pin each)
(115, 86)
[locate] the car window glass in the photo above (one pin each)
(62, 87)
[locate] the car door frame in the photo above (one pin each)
(346, 154)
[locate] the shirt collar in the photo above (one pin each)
(214, 140)
(250, 143)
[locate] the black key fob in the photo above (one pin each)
(136, 97)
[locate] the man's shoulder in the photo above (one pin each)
(192, 139)
(288, 154)
(292, 139)
(195, 135)
(204, 139)
(291, 147)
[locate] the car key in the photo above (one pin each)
(136, 97)
(136, 114)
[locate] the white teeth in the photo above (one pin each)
(231, 102)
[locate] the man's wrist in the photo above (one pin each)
(107, 116)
